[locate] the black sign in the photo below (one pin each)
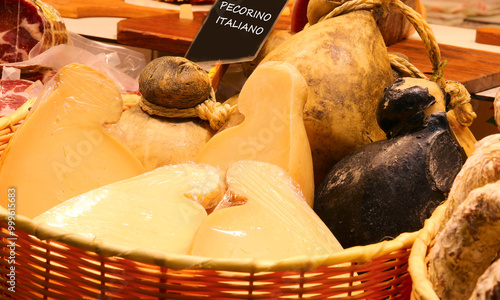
(235, 30)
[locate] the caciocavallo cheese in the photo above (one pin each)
(65, 146)
(272, 101)
(267, 218)
(159, 210)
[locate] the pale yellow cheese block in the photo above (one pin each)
(272, 101)
(274, 223)
(64, 147)
(157, 210)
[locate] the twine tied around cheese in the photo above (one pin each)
(210, 110)
(460, 97)
(347, 6)
(404, 67)
(460, 102)
(215, 112)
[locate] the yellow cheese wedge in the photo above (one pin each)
(64, 147)
(275, 222)
(158, 210)
(272, 101)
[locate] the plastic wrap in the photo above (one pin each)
(158, 210)
(120, 64)
(168, 209)
(64, 147)
(271, 101)
(119, 59)
(36, 41)
(268, 218)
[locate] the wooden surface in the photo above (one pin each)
(167, 32)
(102, 8)
(477, 70)
(488, 35)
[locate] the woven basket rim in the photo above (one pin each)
(417, 267)
(356, 254)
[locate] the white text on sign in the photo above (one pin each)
(244, 11)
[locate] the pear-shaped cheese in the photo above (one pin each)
(270, 221)
(157, 210)
(272, 101)
(64, 148)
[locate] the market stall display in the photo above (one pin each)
(244, 225)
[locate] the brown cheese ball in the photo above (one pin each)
(174, 82)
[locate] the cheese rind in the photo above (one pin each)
(157, 210)
(275, 222)
(272, 101)
(64, 147)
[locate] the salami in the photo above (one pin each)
(481, 168)
(488, 285)
(28, 25)
(467, 245)
(13, 95)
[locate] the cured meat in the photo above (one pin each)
(33, 72)
(481, 168)
(12, 95)
(488, 285)
(467, 245)
(25, 24)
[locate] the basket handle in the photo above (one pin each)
(460, 114)
(428, 38)
(460, 97)
(423, 29)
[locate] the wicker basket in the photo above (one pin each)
(422, 286)
(39, 262)
(50, 265)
